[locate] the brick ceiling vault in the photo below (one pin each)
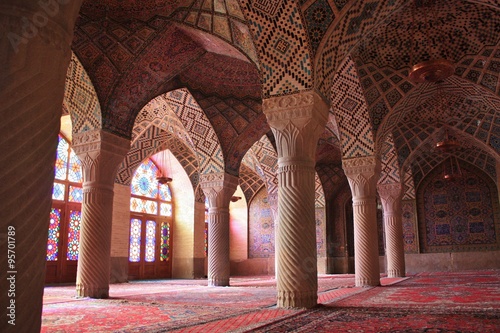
(229, 55)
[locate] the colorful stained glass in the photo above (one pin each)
(61, 165)
(75, 219)
(58, 191)
(164, 192)
(135, 240)
(150, 241)
(143, 206)
(75, 194)
(53, 239)
(206, 239)
(165, 209)
(74, 168)
(206, 226)
(165, 241)
(144, 182)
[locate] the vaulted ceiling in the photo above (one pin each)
(231, 54)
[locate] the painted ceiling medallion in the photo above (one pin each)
(431, 71)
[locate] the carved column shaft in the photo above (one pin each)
(391, 194)
(362, 174)
(218, 188)
(34, 58)
(100, 153)
(297, 121)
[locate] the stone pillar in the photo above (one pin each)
(390, 195)
(218, 188)
(100, 153)
(363, 173)
(34, 56)
(297, 121)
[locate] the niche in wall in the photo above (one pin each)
(458, 215)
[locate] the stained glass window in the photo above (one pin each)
(144, 182)
(74, 168)
(53, 239)
(149, 200)
(206, 239)
(165, 209)
(150, 241)
(164, 192)
(67, 186)
(62, 156)
(75, 218)
(165, 241)
(58, 191)
(135, 240)
(75, 194)
(143, 206)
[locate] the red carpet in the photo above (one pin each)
(431, 302)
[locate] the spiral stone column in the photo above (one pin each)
(100, 153)
(297, 121)
(362, 174)
(218, 188)
(34, 56)
(391, 195)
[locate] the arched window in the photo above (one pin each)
(65, 216)
(150, 246)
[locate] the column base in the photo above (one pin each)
(92, 292)
(297, 299)
(365, 282)
(218, 282)
(394, 273)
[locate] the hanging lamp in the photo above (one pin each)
(433, 70)
(165, 168)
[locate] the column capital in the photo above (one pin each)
(362, 173)
(218, 188)
(297, 121)
(100, 153)
(390, 195)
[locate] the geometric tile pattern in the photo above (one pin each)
(282, 43)
(349, 108)
(267, 157)
(383, 89)
(222, 18)
(260, 227)
(250, 181)
(238, 122)
(154, 140)
(482, 68)
(158, 127)
(468, 110)
(410, 233)
(320, 218)
(458, 215)
(319, 201)
(318, 16)
(426, 159)
(409, 185)
(80, 99)
(199, 128)
(389, 162)
(145, 146)
(421, 32)
(361, 17)
(332, 179)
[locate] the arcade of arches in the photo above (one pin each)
(297, 141)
